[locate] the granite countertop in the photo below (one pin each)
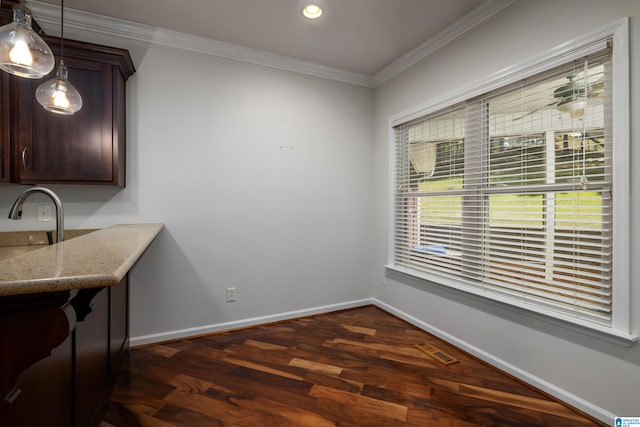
(96, 259)
(13, 243)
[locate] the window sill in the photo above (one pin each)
(575, 324)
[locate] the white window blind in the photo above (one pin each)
(510, 193)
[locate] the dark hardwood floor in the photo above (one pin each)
(357, 367)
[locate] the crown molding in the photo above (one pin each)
(103, 29)
(98, 28)
(485, 11)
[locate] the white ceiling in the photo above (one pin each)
(357, 36)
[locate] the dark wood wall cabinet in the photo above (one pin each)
(39, 147)
(87, 147)
(61, 368)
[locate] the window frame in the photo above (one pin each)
(618, 32)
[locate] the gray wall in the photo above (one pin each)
(262, 179)
(251, 176)
(600, 377)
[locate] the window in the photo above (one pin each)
(509, 193)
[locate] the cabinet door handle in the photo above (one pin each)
(12, 395)
(24, 158)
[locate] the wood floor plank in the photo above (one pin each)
(248, 383)
(410, 360)
(377, 346)
(272, 358)
(228, 413)
(263, 368)
(179, 415)
(357, 367)
(134, 416)
(355, 416)
(322, 368)
(375, 406)
(432, 418)
(190, 384)
(144, 384)
(163, 350)
(541, 405)
(323, 354)
(334, 382)
(264, 345)
(293, 416)
(360, 329)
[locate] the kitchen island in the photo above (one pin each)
(64, 324)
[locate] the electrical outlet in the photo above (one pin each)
(231, 294)
(44, 213)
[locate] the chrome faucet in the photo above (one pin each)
(16, 209)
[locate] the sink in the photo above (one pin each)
(14, 243)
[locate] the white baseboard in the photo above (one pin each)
(569, 398)
(563, 395)
(243, 323)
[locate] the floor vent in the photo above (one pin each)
(437, 354)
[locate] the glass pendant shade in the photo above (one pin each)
(23, 52)
(58, 95)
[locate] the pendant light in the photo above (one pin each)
(23, 53)
(58, 95)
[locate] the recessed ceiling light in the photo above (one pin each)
(312, 11)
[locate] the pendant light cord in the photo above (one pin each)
(61, 30)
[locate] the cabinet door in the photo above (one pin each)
(45, 397)
(5, 128)
(35, 360)
(91, 358)
(119, 326)
(66, 149)
(6, 16)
